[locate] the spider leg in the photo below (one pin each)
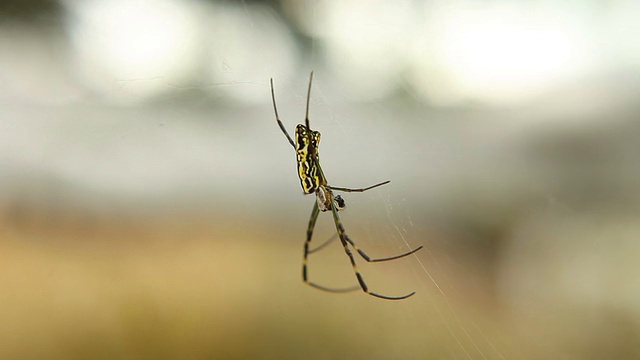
(358, 190)
(306, 117)
(369, 259)
(333, 290)
(275, 109)
(324, 244)
(362, 253)
(344, 239)
(312, 223)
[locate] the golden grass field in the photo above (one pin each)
(205, 287)
(179, 288)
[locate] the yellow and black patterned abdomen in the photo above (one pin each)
(307, 142)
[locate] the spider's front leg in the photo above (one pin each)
(280, 124)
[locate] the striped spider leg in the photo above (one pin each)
(313, 181)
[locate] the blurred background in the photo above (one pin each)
(150, 208)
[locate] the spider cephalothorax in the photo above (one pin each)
(325, 199)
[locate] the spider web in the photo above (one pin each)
(397, 233)
(146, 129)
(393, 231)
(448, 307)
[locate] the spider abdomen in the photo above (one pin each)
(307, 142)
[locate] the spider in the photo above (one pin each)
(313, 181)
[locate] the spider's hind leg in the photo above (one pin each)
(312, 223)
(346, 241)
